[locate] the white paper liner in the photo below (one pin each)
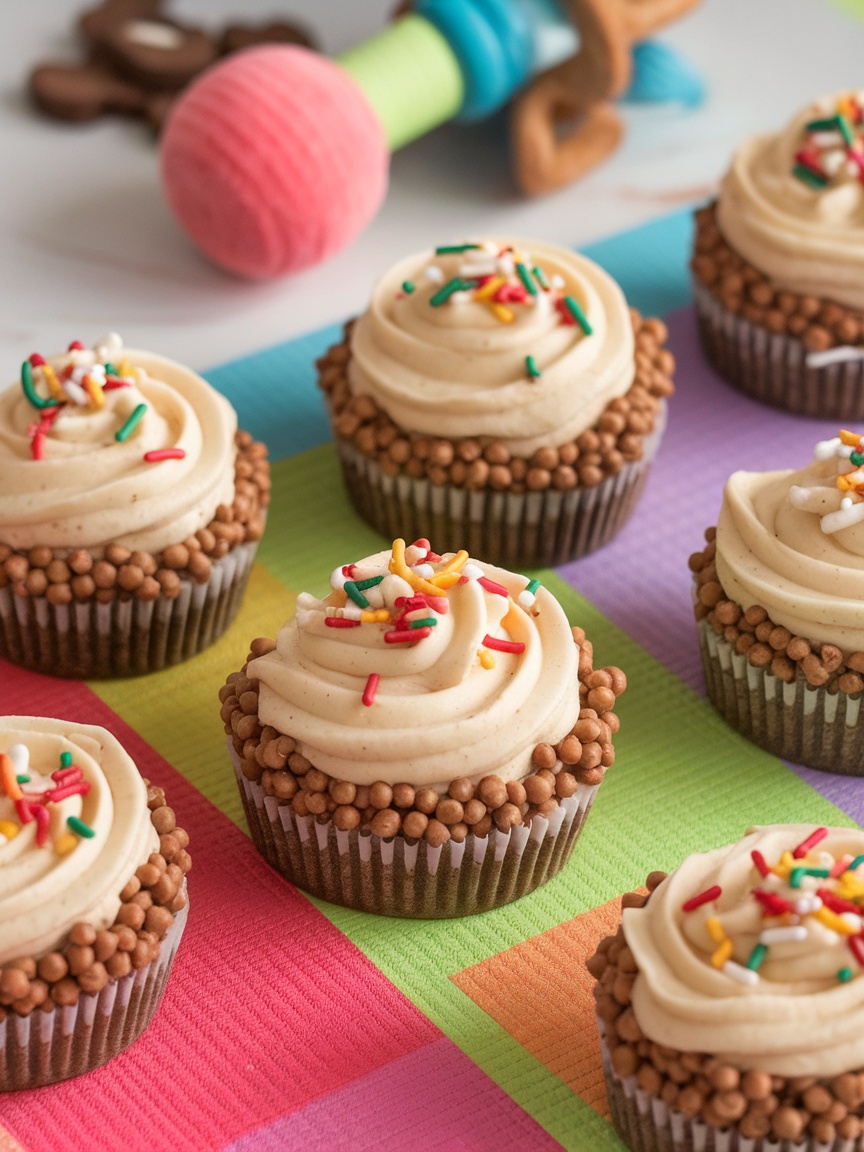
(794, 721)
(646, 1124)
(45, 1047)
(777, 368)
(395, 878)
(532, 529)
(128, 637)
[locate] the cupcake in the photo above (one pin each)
(500, 398)
(780, 608)
(92, 899)
(130, 510)
(779, 265)
(731, 1000)
(426, 741)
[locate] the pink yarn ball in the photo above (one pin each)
(273, 160)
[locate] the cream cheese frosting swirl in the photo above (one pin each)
(484, 682)
(45, 890)
(805, 232)
(90, 489)
(801, 1011)
(778, 547)
(457, 367)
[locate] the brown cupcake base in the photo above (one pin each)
(45, 1047)
(395, 877)
(794, 720)
(125, 637)
(509, 529)
(777, 368)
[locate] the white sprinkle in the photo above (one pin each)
(75, 392)
(424, 570)
(826, 138)
(478, 267)
(526, 598)
(846, 502)
(351, 612)
(506, 264)
(472, 571)
(461, 298)
(434, 273)
(108, 346)
(375, 596)
(19, 754)
(415, 555)
(740, 973)
(808, 904)
(337, 579)
(557, 281)
(852, 919)
(833, 161)
(783, 935)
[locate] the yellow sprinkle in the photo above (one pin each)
(444, 580)
(8, 829)
(503, 313)
(486, 657)
(64, 844)
(400, 568)
(374, 616)
(723, 953)
(850, 439)
(715, 929)
(785, 865)
(510, 621)
(454, 564)
(834, 922)
(126, 369)
(94, 391)
(490, 288)
(52, 382)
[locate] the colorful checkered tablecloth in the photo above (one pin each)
(293, 1024)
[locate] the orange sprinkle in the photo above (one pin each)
(52, 382)
(490, 288)
(503, 313)
(8, 778)
(722, 954)
(850, 439)
(94, 391)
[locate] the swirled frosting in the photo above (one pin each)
(468, 692)
(459, 367)
(786, 541)
(90, 489)
(45, 890)
(792, 203)
(798, 1009)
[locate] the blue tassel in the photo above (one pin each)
(662, 75)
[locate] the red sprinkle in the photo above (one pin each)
(340, 622)
(503, 645)
(422, 543)
(36, 361)
(811, 842)
(433, 557)
(703, 898)
(76, 346)
(164, 454)
(491, 586)
(856, 947)
(114, 382)
(371, 689)
(64, 791)
(837, 903)
(759, 860)
(774, 905)
(406, 635)
(32, 810)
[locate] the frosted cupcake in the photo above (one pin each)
(780, 605)
(731, 1001)
(499, 396)
(425, 741)
(779, 264)
(130, 510)
(92, 899)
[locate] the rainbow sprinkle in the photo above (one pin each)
(832, 147)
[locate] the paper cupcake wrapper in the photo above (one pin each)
(530, 529)
(45, 1047)
(646, 1124)
(395, 878)
(777, 368)
(86, 640)
(794, 721)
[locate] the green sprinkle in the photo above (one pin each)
(526, 278)
(426, 622)
(808, 176)
(760, 951)
(826, 125)
(131, 424)
(110, 370)
(856, 863)
(30, 389)
(370, 583)
(540, 277)
(844, 975)
(578, 315)
(355, 594)
(65, 759)
(532, 586)
(857, 459)
(531, 366)
(80, 827)
(846, 131)
(407, 287)
(444, 294)
(796, 874)
(23, 779)
(446, 249)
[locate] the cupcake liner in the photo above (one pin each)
(777, 368)
(130, 637)
(45, 1047)
(396, 878)
(531, 529)
(795, 721)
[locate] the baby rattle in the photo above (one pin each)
(277, 157)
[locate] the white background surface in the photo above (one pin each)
(87, 244)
